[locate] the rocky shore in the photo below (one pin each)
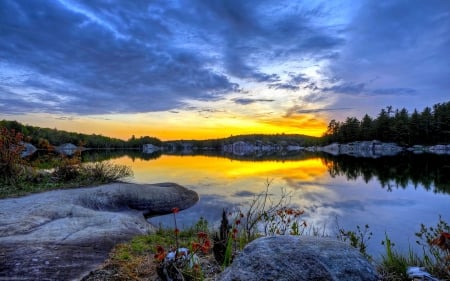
(64, 234)
(372, 149)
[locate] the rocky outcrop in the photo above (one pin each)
(371, 149)
(67, 148)
(299, 258)
(64, 234)
(436, 149)
(150, 148)
(28, 149)
(242, 148)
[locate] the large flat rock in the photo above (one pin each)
(63, 234)
(299, 258)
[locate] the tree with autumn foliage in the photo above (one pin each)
(11, 162)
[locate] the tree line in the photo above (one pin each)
(45, 138)
(216, 144)
(430, 126)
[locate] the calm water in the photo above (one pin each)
(393, 195)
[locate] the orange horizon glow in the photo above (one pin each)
(187, 127)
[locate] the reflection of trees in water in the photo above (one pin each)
(103, 155)
(96, 155)
(428, 170)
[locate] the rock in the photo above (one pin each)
(371, 149)
(439, 149)
(67, 148)
(150, 148)
(241, 148)
(28, 150)
(299, 258)
(64, 234)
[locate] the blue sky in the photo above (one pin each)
(215, 68)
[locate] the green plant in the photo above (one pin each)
(68, 168)
(180, 263)
(394, 265)
(357, 239)
(435, 242)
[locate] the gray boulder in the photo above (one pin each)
(64, 234)
(299, 258)
(150, 148)
(28, 149)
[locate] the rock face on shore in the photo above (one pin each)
(64, 234)
(372, 149)
(299, 258)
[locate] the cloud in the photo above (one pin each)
(140, 56)
(401, 47)
(300, 110)
(245, 101)
(293, 83)
(244, 193)
(363, 89)
(347, 88)
(100, 69)
(89, 57)
(394, 91)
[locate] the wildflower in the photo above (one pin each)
(176, 230)
(443, 241)
(202, 235)
(160, 253)
(175, 210)
(195, 246)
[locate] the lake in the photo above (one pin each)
(393, 195)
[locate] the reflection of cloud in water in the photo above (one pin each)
(209, 207)
(244, 193)
(361, 205)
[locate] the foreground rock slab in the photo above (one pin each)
(64, 234)
(299, 258)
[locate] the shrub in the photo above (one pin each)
(11, 162)
(68, 168)
(105, 171)
(435, 242)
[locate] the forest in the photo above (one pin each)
(45, 138)
(430, 126)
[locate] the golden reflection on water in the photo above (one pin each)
(229, 176)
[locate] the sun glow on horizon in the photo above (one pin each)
(175, 126)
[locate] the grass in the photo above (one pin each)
(135, 260)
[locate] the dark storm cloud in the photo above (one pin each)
(136, 56)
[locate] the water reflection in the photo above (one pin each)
(326, 187)
(428, 170)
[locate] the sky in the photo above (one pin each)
(199, 69)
